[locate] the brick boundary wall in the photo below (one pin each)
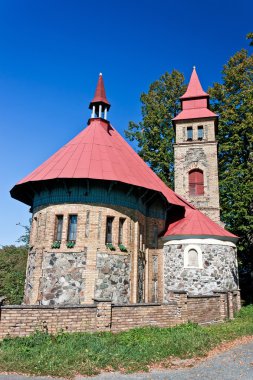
(104, 316)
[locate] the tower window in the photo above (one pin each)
(196, 182)
(121, 228)
(72, 228)
(58, 227)
(189, 133)
(200, 132)
(108, 236)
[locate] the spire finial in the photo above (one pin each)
(99, 104)
(194, 67)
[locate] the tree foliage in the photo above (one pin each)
(250, 37)
(24, 238)
(233, 101)
(12, 273)
(155, 134)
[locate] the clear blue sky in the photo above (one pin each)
(51, 53)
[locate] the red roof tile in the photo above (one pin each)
(195, 113)
(99, 152)
(196, 224)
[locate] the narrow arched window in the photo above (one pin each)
(196, 182)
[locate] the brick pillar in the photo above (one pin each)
(223, 301)
(230, 305)
(90, 275)
(104, 314)
(181, 298)
(237, 295)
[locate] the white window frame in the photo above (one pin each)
(199, 252)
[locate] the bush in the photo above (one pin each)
(12, 273)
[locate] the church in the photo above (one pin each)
(105, 226)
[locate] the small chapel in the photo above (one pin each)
(105, 226)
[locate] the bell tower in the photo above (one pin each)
(195, 148)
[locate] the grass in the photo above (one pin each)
(85, 353)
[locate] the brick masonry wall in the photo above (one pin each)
(105, 316)
(204, 309)
(24, 320)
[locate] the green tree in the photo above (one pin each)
(233, 102)
(250, 37)
(25, 237)
(12, 273)
(154, 134)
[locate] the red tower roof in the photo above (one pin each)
(100, 95)
(194, 89)
(195, 101)
(195, 224)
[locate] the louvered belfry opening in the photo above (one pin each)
(196, 182)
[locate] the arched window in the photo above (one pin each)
(193, 256)
(196, 182)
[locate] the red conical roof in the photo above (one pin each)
(194, 89)
(196, 224)
(194, 102)
(100, 95)
(99, 152)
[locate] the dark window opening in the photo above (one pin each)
(196, 182)
(72, 228)
(58, 227)
(200, 132)
(121, 229)
(155, 237)
(108, 237)
(189, 133)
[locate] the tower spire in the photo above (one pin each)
(194, 89)
(99, 104)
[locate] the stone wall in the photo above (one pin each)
(113, 279)
(105, 316)
(63, 280)
(217, 271)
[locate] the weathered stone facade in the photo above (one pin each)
(77, 275)
(63, 280)
(113, 281)
(216, 269)
(201, 155)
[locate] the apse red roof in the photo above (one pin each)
(194, 89)
(100, 95)
(196, 224)
(99, 152)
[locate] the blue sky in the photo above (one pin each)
(52, 51)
